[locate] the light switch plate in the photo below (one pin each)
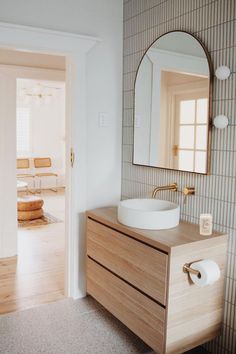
(103, 119)
(137, 121)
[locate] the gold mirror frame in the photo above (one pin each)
(210, 121)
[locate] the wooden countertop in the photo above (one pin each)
(184, 234)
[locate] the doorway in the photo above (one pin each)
(36, 274)
(75, 48)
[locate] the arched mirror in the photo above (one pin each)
(172, 111)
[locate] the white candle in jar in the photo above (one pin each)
(205, 224)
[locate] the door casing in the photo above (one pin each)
(74, 47)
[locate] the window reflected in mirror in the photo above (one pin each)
(171, 116)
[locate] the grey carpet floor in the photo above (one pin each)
(68, 327)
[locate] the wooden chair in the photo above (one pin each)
(44, 162)
(24, 164)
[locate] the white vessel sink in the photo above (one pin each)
(151, 214)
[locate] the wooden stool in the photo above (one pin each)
(29, 208)
(29, 215)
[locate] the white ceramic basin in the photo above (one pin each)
(151, 214)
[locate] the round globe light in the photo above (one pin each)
(222, 72)
(221, 121)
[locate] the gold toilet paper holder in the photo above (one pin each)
(187, 269)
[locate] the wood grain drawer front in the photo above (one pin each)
(139, 313)
(137, 263)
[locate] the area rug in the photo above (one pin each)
(46, 219)
(67, 327)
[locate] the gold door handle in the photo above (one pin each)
(175, 150)
(72, 157)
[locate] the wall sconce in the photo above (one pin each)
(221, 121)
(223, 72)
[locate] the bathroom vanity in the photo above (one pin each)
(138, 276)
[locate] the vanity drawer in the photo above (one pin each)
(139, 264)
(139, 313)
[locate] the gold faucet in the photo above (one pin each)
(188, 191)
(171, 187)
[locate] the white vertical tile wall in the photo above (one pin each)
(214, 22)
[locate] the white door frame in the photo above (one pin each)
(75, 48)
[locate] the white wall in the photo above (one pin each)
(47, 130)
(8, 223)
(180, 42)
(105, 95)
(151, 152)
(33, 60)
(103, 74)
(101, 18)
(143, 107)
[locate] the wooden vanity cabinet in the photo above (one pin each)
(138, 276)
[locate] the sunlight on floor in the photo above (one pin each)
(36, 276)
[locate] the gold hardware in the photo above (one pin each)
(171, 187)
(175, 150)
(72, 157)
(189, 190)
(187, 269)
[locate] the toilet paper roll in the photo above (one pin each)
(209, 272)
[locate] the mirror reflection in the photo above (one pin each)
(171, 116)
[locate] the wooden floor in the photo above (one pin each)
(36, 275)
